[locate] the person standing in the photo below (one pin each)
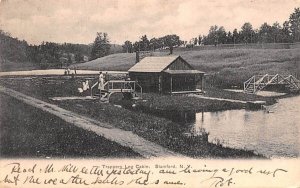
(106, 77)
(75, 70)
(101, 83)
(85, 87)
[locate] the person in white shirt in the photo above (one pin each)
(101, 83)
(85, 85)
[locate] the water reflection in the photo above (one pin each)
(181, 117)
(272, 134)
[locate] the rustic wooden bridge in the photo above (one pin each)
(117, 86)
(259, 82)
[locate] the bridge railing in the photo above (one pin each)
(259, 82)
(248, 82)
(114, 86)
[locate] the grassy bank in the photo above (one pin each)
(220, 93)
(30, 132)
(184, 103)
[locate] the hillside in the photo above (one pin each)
(17, 54)
(121, 61)
(226, 67)
(13, 53)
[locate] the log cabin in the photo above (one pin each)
(167, 74)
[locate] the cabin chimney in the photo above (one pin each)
(137, 56)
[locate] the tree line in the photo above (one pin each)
(288, 32)
(45, 55)
(53, 55)
(144, 44)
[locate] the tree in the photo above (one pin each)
(221, 35)
(229, 39)
(144, 43)
(199, 40)
(127, 47)
(265, 33)
(276, 32)
(101, 46)
(247, 33)
(78, 57)
(295, 25)
(156, 43)
(172, 41)
(216, 35)
(136, 46)
(69, 62)
(212, 37)
(235, 36)
(195, 41)
(286, 32)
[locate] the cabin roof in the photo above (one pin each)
(153, 64)
(183, 72)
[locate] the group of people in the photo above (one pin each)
(86, 86)
(69, 72)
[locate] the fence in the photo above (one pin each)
(243, 46)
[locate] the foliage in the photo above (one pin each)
(295, 24)
(45, 55)
(171, 41)
(101, 46)
(247, 33)
(289, 31)
(216, 35)
(127, 47)
(144, 44)
(12, 49)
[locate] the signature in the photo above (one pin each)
(219, 182)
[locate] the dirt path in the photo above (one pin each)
(124, 138)
(54, 72)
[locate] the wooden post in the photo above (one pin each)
(159, 84)
(195, 82)
(100, 95)
(254, 85)
(171, 84)
(202, 83)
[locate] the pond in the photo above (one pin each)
(274, 132)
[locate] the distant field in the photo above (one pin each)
(13, 66)
(226, 67)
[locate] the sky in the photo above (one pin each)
(78, 21)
